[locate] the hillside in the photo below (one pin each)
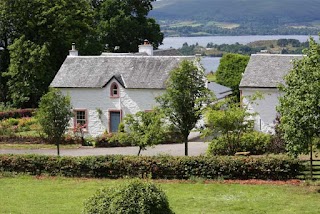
(237, 17)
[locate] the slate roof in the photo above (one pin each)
(219, 90)
(267, 70)
(135, 71)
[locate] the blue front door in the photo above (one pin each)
(114, 121)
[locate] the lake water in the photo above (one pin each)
(212, 63)
(177, 42)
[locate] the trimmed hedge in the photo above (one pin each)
(158, 167)
(19, 113)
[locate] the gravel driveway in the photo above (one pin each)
(196, 147)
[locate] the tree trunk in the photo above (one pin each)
(58, 148)
(186, 146)
(140, 148)
(311, 170)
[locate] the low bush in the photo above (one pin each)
(34, 139)
(134, 197)
(11, 121)
(119, 139)
(21, 139)
(123, 139)
(6, 130)
(19, 113)
(158, 167)
(14, 126)
(254, 142)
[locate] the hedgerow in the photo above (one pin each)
(19, 113)
(157, 167)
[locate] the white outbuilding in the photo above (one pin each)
(264, 73)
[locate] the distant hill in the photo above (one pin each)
(237, 17)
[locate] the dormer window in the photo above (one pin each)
(114, 90)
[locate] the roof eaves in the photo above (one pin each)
(266, 87)
(124, 83)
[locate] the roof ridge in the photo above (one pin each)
(130, 56)
(263, 54)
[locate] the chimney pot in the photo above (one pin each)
(146, 48)
(146, 42)
(73, 51)
(73, 47)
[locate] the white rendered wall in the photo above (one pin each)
(266, 107)
(130, 101)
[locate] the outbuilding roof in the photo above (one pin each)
(267, 70)
(133, 71)
(219, 91)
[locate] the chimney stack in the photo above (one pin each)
(73, 51)
(146, 48)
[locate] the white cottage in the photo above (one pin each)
(264, 73)
(103, 89)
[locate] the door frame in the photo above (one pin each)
(109, 117)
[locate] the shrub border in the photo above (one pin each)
(19, 113)
(157, 167)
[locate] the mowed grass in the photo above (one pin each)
(26, 194)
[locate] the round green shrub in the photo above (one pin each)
(135, 197)
(254, 142)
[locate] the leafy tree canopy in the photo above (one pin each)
(124, 24)
(27, 72)
(185, 97)
(228, 117)
(300, 104)
(146, 128)
(40, 24)
(229, 72)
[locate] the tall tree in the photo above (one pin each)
(55, 24)
(124, 24)
(27, 72)
(4, 51)
(229, 72)
(53, 115)
(185, 98)
(300, 104)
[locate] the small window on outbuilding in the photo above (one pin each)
(114, 90)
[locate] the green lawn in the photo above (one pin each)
(25, 194)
